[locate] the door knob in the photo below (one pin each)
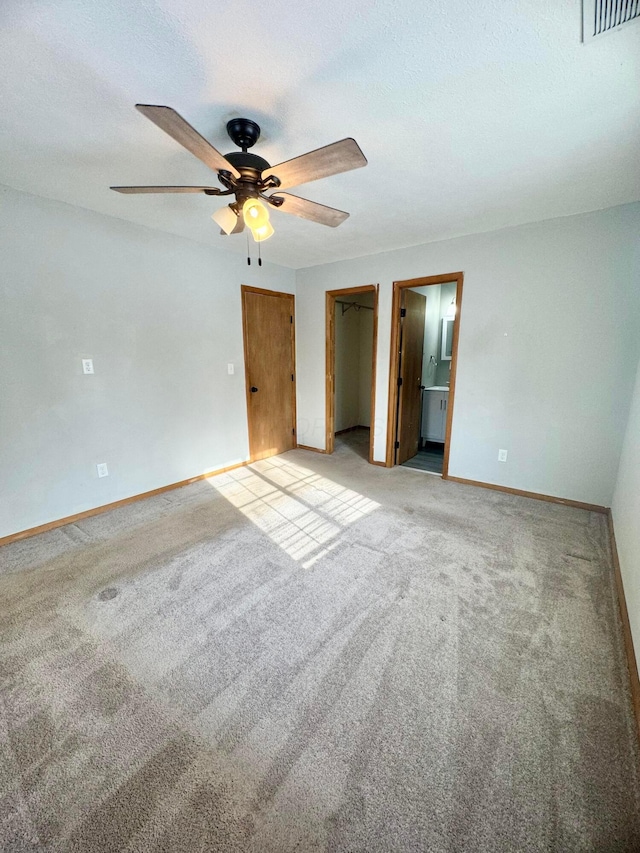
(253, 389)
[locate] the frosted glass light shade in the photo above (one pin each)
(226, 219)
(263, 233)
(255, 213)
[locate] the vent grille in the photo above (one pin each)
(603, 16)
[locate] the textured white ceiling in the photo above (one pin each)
(473, 116)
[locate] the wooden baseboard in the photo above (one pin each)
(312, 449)
(87, 513)
(634, 680)
(351, 429)
(536, 495)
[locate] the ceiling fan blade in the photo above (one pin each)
(311, 210)
(132, 190)
(172, 123)
(331, 160)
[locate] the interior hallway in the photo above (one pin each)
(313, 653)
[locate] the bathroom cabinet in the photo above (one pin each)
(435, 401)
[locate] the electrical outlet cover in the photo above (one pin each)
(102, 469)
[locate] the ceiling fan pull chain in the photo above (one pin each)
(248, 257)
(259, 256)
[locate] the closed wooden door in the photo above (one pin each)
(269, 348)
(413, 307)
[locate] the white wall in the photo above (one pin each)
(626, 516)
(550, 337)
(159, 315)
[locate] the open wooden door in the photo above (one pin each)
(413, 307)
(269, 356)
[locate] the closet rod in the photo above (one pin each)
(355, 305)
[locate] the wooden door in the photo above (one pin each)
(409, 393)
(269, 353)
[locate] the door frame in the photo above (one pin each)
(392, 413)
(330, 362)
(245, 288)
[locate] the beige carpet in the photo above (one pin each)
(315, 654)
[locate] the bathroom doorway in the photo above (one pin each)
(351, 342)
(424, 341)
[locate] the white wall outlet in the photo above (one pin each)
(87, 365)
(230, 369)
(102, 469)
(502, 456)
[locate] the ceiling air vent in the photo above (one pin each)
(605, 16)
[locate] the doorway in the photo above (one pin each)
(269, 357)
(351, 346)
(424, 343)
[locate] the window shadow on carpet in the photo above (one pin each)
(301, 511)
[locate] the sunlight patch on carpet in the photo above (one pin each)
(301, 511)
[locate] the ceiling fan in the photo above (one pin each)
(249, 177)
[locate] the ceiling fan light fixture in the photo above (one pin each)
(255, 213)
(248, 176)
(263, 232)
(226, 219)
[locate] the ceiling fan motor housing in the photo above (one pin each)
(246, 162)
(250, 184)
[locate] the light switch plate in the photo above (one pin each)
(230, 369)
